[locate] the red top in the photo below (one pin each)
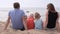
(30, 23)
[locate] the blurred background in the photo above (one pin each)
(29, 6)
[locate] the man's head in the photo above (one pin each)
(16, 5)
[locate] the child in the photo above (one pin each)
(30, 22)
(38, 22)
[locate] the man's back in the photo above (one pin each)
(16, 18)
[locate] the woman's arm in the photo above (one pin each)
(57, 23)
(46, 21)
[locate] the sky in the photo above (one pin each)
(29, 3)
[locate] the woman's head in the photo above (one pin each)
(50, 7)
(37, 15)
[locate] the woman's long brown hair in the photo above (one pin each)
(51, 7)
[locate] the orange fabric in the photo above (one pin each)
(30, 23)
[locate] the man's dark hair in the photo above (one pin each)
(16, 5)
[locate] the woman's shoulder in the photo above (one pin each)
(56, 12)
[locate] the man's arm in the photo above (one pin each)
(8, 21)
(24, 23)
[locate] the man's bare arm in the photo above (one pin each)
(24, 23)
(8, 21)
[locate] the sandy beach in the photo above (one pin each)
(11, 31)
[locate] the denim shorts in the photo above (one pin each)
(22, 29)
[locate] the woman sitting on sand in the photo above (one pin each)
(51, 17)
(38, 22)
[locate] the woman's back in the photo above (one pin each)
(52, 17)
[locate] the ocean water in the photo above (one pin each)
(42, 11)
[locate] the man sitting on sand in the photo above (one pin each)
(17, 17)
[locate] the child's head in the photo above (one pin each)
(31, 15)
(37, 15)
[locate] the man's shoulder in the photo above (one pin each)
(21, 10)
(11, 10)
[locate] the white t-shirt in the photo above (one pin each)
(38, 24)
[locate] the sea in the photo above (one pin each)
(42, 11)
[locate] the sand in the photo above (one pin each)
(11, 31)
